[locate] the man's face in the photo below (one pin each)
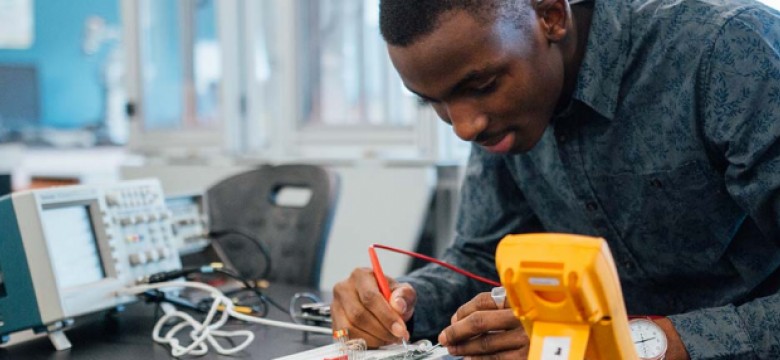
(497, 84)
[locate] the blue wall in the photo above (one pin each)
(69, 80)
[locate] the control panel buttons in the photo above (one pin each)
(142, 229)
(152, 255)
(165, 252)
(113, 199)
(138, 259)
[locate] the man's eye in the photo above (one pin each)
(486, 88)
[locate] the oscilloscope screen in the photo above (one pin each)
(73, 246)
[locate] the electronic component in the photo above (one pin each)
(420, 350)
(344, 348)
(565, 291)
(315, 313)
(67, 251)
(189, 221)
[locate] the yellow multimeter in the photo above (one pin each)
(565, 291)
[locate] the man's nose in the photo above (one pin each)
(467, 121)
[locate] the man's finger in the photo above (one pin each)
(365, 326)
(483, 301)
(377, 305)
(478, 323)
(341, 322)
(350, 312)
(492, 343)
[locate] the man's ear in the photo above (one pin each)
(554, 17)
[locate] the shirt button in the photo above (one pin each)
(561, 139)
(627, 265)
(591, 206)
(656, 183)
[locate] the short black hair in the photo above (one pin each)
(402, 22)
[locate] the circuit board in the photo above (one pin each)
(409, 355)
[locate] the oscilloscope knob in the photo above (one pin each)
(112, 199)
(152, 255)
(138, 259)
(165, 252)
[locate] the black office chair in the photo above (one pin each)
(246, 218)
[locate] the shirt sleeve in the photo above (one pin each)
(491, 207)
(741, 125)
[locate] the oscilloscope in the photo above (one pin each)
(67, 251)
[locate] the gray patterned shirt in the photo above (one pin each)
(669, 151)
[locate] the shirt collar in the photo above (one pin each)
(598, 81)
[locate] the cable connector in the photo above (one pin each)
(175, 274)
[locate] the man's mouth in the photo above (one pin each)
(500, 144)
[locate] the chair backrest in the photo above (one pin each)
(295, 236)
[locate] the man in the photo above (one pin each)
(650, 123)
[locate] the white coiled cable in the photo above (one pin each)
(205, 332)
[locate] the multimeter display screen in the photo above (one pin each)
(73, 247)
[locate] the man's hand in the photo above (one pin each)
(359, 306)
(675, 348)
(481, 330)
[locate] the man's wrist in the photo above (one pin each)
(675, 346)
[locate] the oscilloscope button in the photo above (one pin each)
(138, 259)
(152, 255)
(112, 199)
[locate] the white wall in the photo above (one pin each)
(378, 204)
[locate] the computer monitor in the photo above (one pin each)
(19, 97)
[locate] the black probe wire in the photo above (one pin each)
(252, 287)
(158, 296)
(218, 234)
